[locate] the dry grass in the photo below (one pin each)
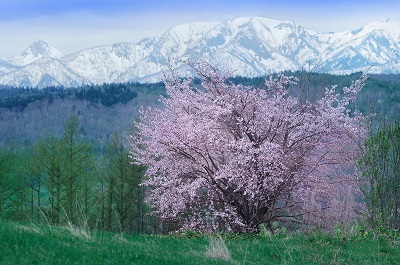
(218, 249)
(31, 228)
(80, 232)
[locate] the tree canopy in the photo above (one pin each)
(231, 157)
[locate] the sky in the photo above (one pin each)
(72, 25)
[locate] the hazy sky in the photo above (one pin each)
(71, 25)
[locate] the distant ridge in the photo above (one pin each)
(251, 46)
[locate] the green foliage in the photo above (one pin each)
(59, 175)
(264, 232)
(77, 168)
(351, 232)
(9, 180)
(34, 178)
(59, 180)
(122, 203)
(380, 183)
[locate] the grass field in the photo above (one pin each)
(32, 244)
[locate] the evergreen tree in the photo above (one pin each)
(8, 180)
(34, 180)
(77, 166)
(51, 162)
(380, 168)
(124, 201)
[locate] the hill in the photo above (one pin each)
(29, 114)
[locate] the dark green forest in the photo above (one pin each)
(64, 152)
(107, 95)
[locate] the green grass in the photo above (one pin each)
(22, 243)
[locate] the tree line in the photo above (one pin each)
(105, 94)
(62, 181)
(380, 94)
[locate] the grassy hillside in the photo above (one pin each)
(33, 244)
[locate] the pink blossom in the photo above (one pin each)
(226, 156)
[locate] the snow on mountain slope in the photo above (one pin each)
(38, 49)
(250, 46)
(6, 67)
(44, 72)
(178, 39)
(255, 46)
(376, 45)
(169, 46)
(105, 64)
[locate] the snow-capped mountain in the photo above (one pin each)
(256, 46)
(38, 49)
(376, 45)
(249, 46)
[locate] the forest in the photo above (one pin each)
(65, 152)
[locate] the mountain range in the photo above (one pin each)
(250, 46)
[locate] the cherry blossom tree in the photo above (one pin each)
(225, 156)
